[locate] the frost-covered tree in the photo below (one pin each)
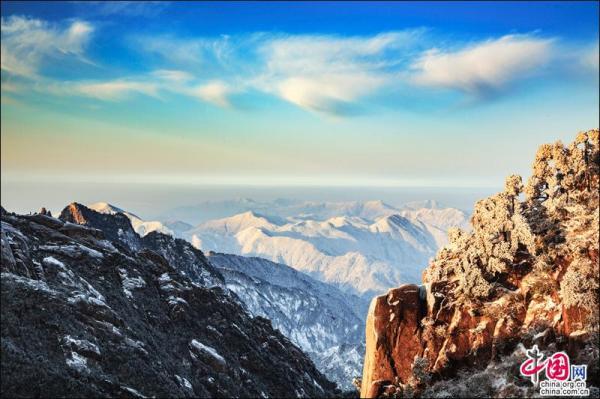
(506, 231)
(524, 264)
(537, 183)
(513, 187)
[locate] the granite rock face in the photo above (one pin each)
(527, 273)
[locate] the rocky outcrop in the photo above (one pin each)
(392, 318)
(527, 273)
(116, 228)
(85, 315)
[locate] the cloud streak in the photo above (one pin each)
(28, 43)
(326, 74)
(484, 67)
(214, 92)
(115, 90)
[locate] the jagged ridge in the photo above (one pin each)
(100, 312)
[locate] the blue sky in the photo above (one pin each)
(377, 94)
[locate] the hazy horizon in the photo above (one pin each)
(379, 95)
(152, 201)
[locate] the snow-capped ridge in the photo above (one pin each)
(364, 247)
(140, 226)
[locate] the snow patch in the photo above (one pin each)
(130, 283)
(36, 285)
(77, 362)
(51, 261)
(184, 382)
(132, 391)
(201, 348)
(81, 345)
(176, 301)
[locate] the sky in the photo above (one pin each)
(390, 94)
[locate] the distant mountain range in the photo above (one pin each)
(284, 207)
(363, 247)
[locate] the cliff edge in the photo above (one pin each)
(527, 273)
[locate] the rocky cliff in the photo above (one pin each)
(527, 273)
(91, 310)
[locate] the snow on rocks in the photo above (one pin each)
(176, 301)
(77, 362)
(183, 382)
(81, 346)
(36, 285)
(51, 261)
(135, 393)
(208, 354)
(87, 294)
(130, 283)
(72, 250)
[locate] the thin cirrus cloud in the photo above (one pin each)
(327, 74)
(484, 67)
(173, 75)
(590, 58)
(29, 43)
(214, 92)
(115, 90)
(121, 8)
(109, 90)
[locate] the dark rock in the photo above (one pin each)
(85, 315)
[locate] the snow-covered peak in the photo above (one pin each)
(361, 246)
(323, 321)
(339, 221)
(105, 207)
(239, 222)
(391, 223)
(140, 226)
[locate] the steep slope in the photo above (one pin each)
(142, 227)
(358, 255)
(324, 322)
(115, 227)
(180, 254)
(85, 314)
(527, 273)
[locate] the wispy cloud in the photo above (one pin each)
(173, 75)
(207, 53)
(122, 8)
(590, 58)
(107, 90)
(325, 73)
(215, 92)
(483, 67)
(27, 43)
(115, 90)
